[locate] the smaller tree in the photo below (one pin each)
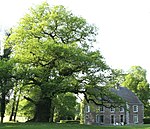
(136, 81)
(15, 101)
(65, 107)
(27, 108)
(6, 84)
(117, 77)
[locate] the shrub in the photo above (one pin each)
(70, 121)
(146, 120)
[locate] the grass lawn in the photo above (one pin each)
(66, 126)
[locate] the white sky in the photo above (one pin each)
(124, 26)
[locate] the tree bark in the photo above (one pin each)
(52, 112)
(43, 110)
(17, 104)
(3, 106)
(13, 107)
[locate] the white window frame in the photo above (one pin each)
(87, 108)
(111, 119)
(135, 107)
(100, 119)
(97, 118)
(121, 109)
(120, 118)
(103, 109)
(135, 118)
(112, 109)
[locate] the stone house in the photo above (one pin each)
(130, 113)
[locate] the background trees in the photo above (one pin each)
(65, 107)
(137, 82)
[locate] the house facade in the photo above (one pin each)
(130, 113)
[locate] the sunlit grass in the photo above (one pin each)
(65, 126)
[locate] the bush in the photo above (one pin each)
(70, 121)
(146, 120)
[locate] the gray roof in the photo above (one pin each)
(127, 95)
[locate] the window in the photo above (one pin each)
(101, 119)
(135, 108)
(112, 119)
(101, 108)
(121, 118)
(135, 119)
(87, 109)
(112, 109)
(87, 117)
(121, 109)
(97, 118)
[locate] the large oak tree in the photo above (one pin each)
(53, 52)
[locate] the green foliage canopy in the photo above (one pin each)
(52, 51)
(52, 48)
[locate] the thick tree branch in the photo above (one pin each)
(31, 100)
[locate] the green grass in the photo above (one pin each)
(66, 126)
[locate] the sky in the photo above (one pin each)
(124, 26)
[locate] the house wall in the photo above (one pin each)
(117, 116)
(91, 117)
(139, 114)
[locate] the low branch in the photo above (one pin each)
(29, 99)
(106, 102)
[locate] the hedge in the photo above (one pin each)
(70, 121)
(146, 120)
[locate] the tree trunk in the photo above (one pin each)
(17, 104)
(12, 111)
(13, 107)
(2, 106)
(52, 113)
(43, 110)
